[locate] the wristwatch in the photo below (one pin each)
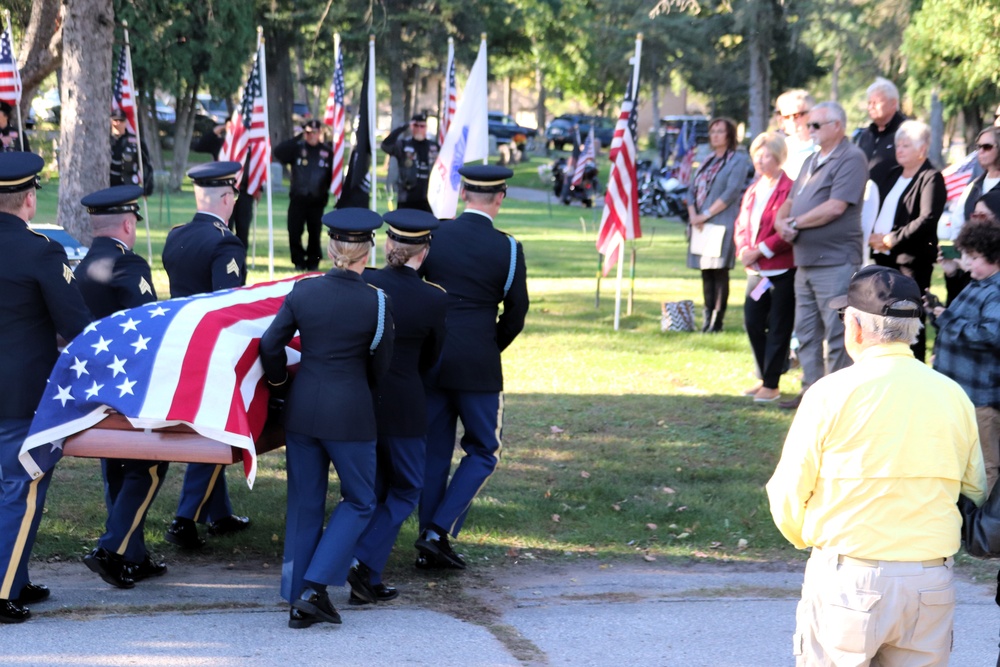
(793, 224)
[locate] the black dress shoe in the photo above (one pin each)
(32, 593)
(316, 604)
(361, 585)
(111, 567)
(428, 562)
(12, 612)
(184, 534)
(229, 524)
(440, 549)
(146, 569)
(299, 619)
(383, 593)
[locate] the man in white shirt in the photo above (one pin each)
(793, 113)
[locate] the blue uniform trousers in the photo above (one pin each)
(445, 504)
(129, 489)
(398, 481)
(311, 553)
(21, 502)
(204, 494)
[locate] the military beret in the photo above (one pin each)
(410, 225)
(354, 225)
(214, 174)
(485, 178)
(19, 171)
(116, 199)
(419, 117)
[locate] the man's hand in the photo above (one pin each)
(784, 231)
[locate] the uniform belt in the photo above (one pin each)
(864, 562)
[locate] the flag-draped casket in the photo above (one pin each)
(186, 367)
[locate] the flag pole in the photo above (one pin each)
(127, 54)
(621, 249)
(600, 270)
(13, 56)
(618, 287)
(631, 276)
(267, 138)
(372, 119)
(445, 120)
(482, 37)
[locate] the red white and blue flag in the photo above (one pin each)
(586, 158)
(334, 117)
(450, 94)
(620, 220)
(188, 361)
(10, 77)
(958, 176)
(248, 131)
(123, 97)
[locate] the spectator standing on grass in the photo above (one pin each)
(967, 345)
(870, 477)
(793, 108)
(311, 160)
(823, 224)
(878, 139)
(769, 307)
(415, 155)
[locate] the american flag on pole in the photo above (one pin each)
(123, 98)
(684, 156)
(10, 77)
(957, 176)
(182, 361)
(248, 131)
(334, 117)
(586, 158)
(450, 94)
(620, 220)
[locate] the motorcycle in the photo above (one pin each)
(585, 191)
(662, 194)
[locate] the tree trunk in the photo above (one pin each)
(41, 49)
(149, 131)
(183, 130)
(936, 149)
(838, 62)
(760, 69)
(301, 91)
(280, 89)
(972, 123)
(85, 159)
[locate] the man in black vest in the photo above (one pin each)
(415, 155)
(480, 267)
(311, 162)
(126, 150)
(112, 278)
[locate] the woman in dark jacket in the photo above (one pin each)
(905, 234)
(400, 405)
(346, 336)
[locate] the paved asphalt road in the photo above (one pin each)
(531, 613)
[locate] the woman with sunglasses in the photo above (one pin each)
(905, 233)
(718, 185)
(988, 156)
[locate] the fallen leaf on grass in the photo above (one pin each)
(616, 507)
(683, 536)
(513, 552)
(548, 493)
(555, 517)
(700, 554)
(431, 584)
(667, 489)
(651, 526)
(584, 474)
(556, 429)
(742, 544)
(649, 558)
(716, 545)
(681, 508)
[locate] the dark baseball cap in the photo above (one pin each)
(877, 289)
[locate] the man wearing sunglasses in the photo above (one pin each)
(415, 155)
(878, 139)
(204, 256)
(822, 220)
(793, 116)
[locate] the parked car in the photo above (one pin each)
(560, 131)
(75, 251)
(506, 130)
(216, 108)
(300, 114)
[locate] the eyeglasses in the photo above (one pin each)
(985, 147)
(816, 126)
(840, 313)
(794, 116)
(418, 124)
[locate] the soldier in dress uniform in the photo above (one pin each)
(345, 330)
(242, 217)
(400, 405)
(10, 136)
(415, 156)
(125, 151)
(311, 162)
(112, 278)
(204, 256)
(38, 300)
(480, 267)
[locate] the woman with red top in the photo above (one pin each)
(769, 309)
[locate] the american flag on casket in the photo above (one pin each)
(186, 361)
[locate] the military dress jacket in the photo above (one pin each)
(418, 311)
(337, 316)
(203, 256)
(112, 278)
(472, 262)
(38, 299)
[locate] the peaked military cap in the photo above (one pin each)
(117, 199)
(419, 117)
(214, 174)
(410, 225)
(117, 113)
(19, 171)
(485, 178)
(353, 225)
(312, 126)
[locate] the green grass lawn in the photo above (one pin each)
(621, 443)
